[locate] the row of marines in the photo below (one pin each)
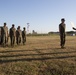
(16, 35)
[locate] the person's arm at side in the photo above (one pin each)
(74, 28)
(7, 32)
(59, 28)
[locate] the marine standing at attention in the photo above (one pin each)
(24, 35)
(5, 34)
(12, 34)
(62, 27)
(18, 35)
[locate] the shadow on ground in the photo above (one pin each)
(33, 59)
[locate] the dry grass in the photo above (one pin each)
(40, 56)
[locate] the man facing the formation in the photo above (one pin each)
(62, 32)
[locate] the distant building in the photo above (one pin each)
(33, 32)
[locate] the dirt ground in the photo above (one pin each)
(41, 55)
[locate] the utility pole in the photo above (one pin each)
(28, 28)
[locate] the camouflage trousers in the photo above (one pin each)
(62, 39)
(18, 40)
(5, 40)
(23, 40)
(12, 38)
(1, 40)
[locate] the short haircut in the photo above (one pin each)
(4, 23)
(62, 19)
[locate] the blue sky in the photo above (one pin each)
(43, 15)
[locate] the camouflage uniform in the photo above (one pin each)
(5, 35)
(12, 34)
(24, 36)
(18, 36)
(62, 34)
(1, 35)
